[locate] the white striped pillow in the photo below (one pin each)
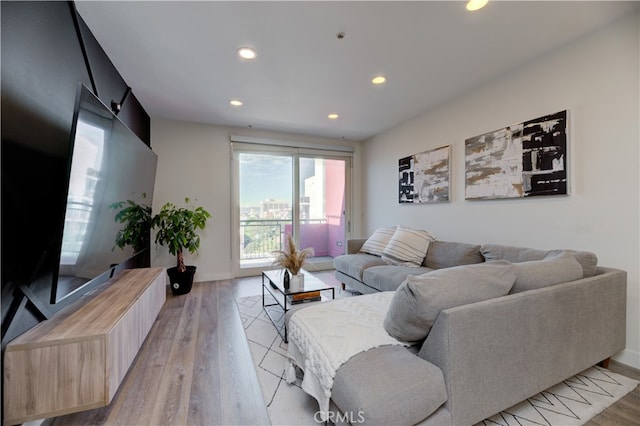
(407, 247)
(376, 243)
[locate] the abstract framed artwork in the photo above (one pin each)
(424, 177)
(523, 160)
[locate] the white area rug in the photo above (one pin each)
(572, 402)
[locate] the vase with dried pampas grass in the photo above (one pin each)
(291, 258)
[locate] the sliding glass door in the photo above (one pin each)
(322, 219)
(266, 205)
(280, 192)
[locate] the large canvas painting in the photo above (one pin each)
(424, 177)
(522, 160)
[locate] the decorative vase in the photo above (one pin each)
(296, 282)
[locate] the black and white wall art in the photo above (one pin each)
(522, 160)
(424, 177)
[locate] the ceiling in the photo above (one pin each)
(180, 57)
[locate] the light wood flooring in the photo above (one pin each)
(195, 368)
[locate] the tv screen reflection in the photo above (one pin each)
(109, 163)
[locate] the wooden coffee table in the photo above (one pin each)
(273, 284)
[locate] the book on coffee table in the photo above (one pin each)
(309, 296)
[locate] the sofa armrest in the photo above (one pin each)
(498, 352)
(354, 245)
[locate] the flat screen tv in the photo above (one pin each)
(108, 163)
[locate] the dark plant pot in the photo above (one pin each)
(181, 282)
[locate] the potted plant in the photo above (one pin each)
(177, 229)
(137, 220)
(292, 260)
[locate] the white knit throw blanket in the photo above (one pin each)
(325, 336)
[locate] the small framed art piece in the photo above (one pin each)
(424, 177)
(522, 160)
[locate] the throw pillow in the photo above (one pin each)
(376, 243)
(554, 269)
(588, 260)
(444, 254)
(407, 247)
(418, 301)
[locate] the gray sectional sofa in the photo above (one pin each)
(483, 357)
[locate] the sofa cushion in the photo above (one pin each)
(407, 247)
(588, 260)
(376, 243)
(408, 390)
(388, 277)
(355, 264)
(554, 269)
(418, 301)
(445, 254)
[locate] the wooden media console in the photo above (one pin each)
(77, 360)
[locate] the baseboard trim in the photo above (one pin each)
(629, 358)
(211, 277)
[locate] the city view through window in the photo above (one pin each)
(266, 205)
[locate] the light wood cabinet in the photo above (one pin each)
(76, 360)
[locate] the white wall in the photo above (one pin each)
(596, 79)
(194, 160)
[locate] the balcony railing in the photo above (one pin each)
(261, 237)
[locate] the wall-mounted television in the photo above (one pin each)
(108, 163)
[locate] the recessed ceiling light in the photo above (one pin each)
(247, 53)
(235, 102)
(379, 79)
(476, 4)
(333, 116)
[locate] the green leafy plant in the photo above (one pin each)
(291, 258)
(177, 229)
(137, 220)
